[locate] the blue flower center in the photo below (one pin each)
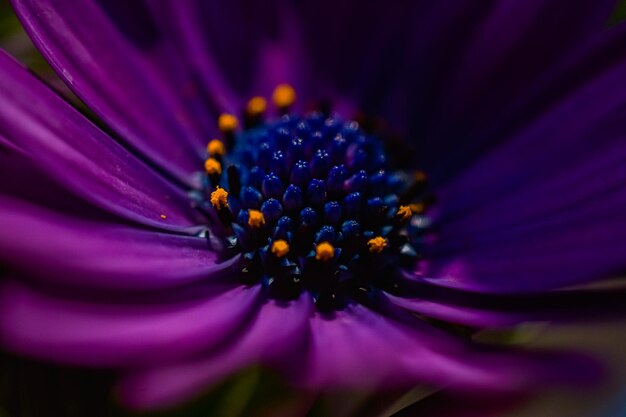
(311, 204)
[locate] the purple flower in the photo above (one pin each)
(319, 257)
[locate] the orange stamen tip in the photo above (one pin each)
(256, 106)
(284, 95)
(324, 251)
(419, 176)
(418, 208)
(212, 166)
(216, 148)
(404, 212)
(280, 248)
(219, 198)
(255, 219)
(377, 244)
(227, 123)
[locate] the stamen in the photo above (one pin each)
(404, 212)
(216, 148)
(255, 219)
(280, 248)
(312, 203)
(227, 123)
(283, 96)
(419, 176)
(256, 106)
(324, 252)
(219, 198)
(418, 208)
(377, 244)
(212, 166)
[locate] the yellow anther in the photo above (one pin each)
(216, 148)
(212, 166)
(255, 219)
(324, 251)
(280, 248)
(219, 198)
(227, 123)
(418, 208)
(404, 212)
(419, 176)
(256, 106)
(283, 96)
(377, 244)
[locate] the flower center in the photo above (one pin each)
(310, 202)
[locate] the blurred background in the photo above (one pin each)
(29, 389)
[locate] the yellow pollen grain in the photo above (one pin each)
(212, 166)
(256, 106)
(227, 122)
(216, 148)
(324, 251)
(163, 216)
(280, 248)
(404, 212)
(418, 208)
(283, 96)
(255, 219)
(419, 176)
(219, 198)
(377, 244)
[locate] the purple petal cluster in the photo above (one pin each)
(108, 258)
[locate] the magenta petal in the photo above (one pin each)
(276, 337)
(551, 216)
(458, 314)
(361, 348)
(117, 59)
(500, 62)
(58, 249)
(411, 61)
(40, 126)
(119, 335)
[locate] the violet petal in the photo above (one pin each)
(43, 128)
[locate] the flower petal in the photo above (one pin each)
(542, 211)
(51, 247)
(119, 335)
(42, 128)
(117, 59)
(277, 336)
(424, 296)
(448, 73)
(510, 51)
(446, 404)
(458, 314)
(360, 348)
(238, 50)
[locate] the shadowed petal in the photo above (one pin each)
(362, 348)
(116, 58)
(277, 336)
(119, 335)
(59, 249)
(450, 74)
(508, 53)
(551, 216)
(458, 314)
(238, 50)
(446, 404)
(39, 126)
(424, 296)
